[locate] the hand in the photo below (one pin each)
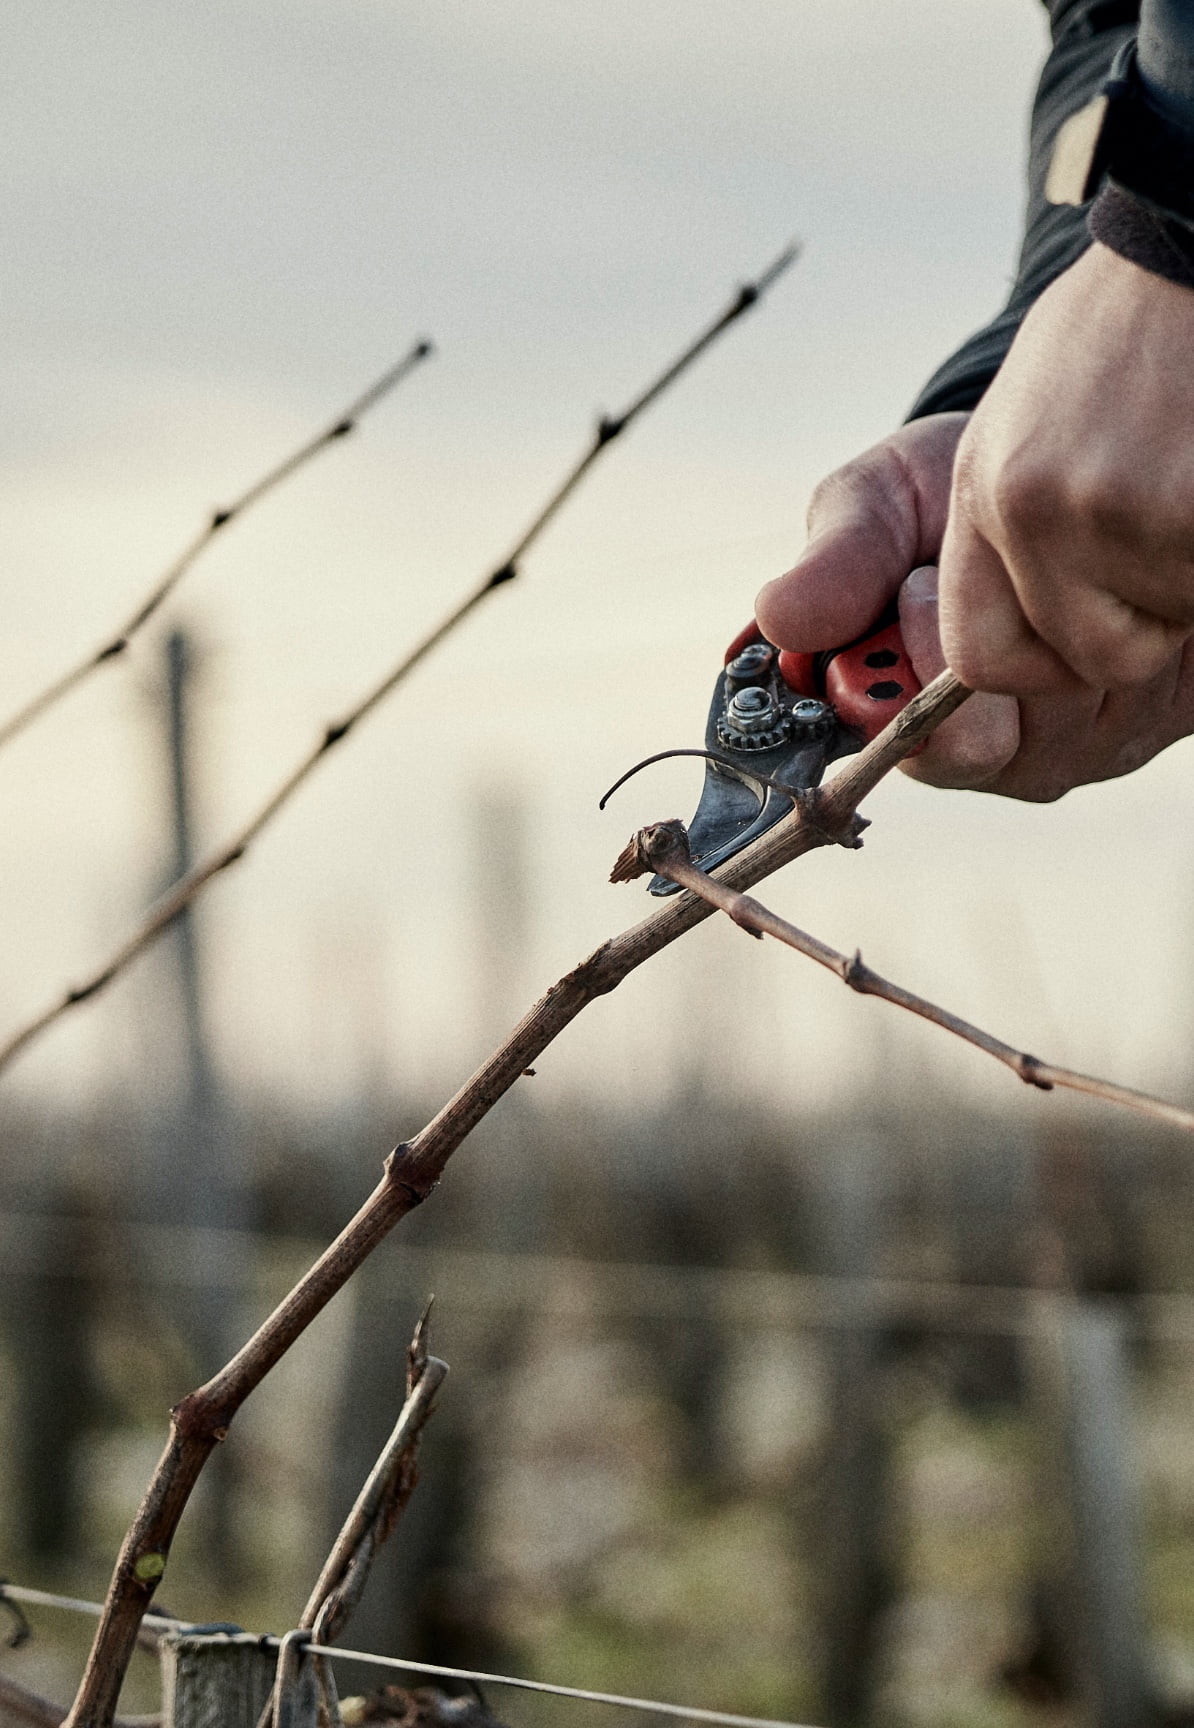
(1068, 561)
(870, 524)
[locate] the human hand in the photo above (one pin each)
(1067, 566)
(1069, 556)
(875, 532)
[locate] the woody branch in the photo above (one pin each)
(188, 888)
(412, 1170)
(663, 848)
(824, 817)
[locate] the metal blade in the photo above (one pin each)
(756, 722)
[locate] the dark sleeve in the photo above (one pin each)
(1086, 34)
(1150, 219)
(1166, 57)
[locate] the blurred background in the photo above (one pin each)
(683, 1450)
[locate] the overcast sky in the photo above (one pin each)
(220, 222)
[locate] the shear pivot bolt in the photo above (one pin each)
(752, 721)
(751, 710)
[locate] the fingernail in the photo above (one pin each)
(921, 583)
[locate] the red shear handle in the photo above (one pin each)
(867, 682)
(870, 682)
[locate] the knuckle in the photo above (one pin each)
(1046, 788)
(1026, 496)
(1108, 503)
(1132, 754)
(1029, 779)
(1020, 668)
(972, 660)
(844, 488)
(1037, 791)
(1123, 496)
(966, 482)
(825, 490)
(873, 483)
(830, 494)
(928, 773)
(1117, 646)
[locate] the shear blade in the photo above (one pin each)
(736, 808)
(732, 812)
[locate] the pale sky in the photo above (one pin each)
(220, 222)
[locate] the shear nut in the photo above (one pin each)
(751, 710)
(752, 720)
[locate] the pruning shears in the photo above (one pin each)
(776, 722)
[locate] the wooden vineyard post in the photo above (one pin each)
(854, 1580)
(1091, 1539)
(226, 1680)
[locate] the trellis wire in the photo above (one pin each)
(687, 1712)
(582, 1695)
(760, 1298)
(72, 1604)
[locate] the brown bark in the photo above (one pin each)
(664, 848)
(822, 818)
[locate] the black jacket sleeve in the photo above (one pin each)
(1087, 34)
(1166, 56)
(1145, 209)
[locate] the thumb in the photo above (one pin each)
(853, 564)
(869, 524)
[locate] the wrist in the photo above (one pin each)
(1143, 234)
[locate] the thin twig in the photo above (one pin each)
(116, 644)
(413, 1169)
(379, 1504)
(375, 1513)
(663, 849)
(188, 887)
